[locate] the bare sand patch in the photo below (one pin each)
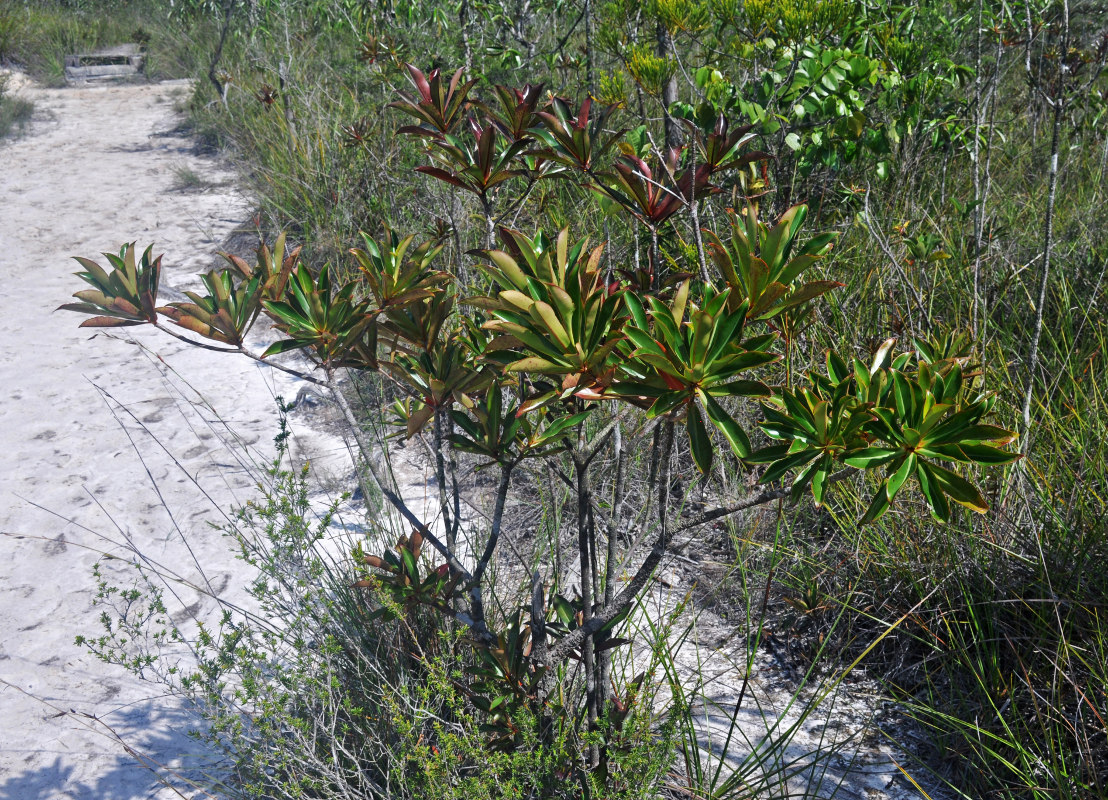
(81, 422)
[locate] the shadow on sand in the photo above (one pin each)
(155, 757)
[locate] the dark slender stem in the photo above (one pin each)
(753, 501)
(213, 67)
(240, 350)
(1058, 104)
(440, 475)
(475, 592)
(394, 499)
(585, 546)
(634, 587)
(605, 666)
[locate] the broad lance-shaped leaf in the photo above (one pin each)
(553, 301)
(397, 273)
(273, 267)
(759, 266)
(331, 326)
(124, 296)
(677, 363)
(577, 141)
(727, 425)
(225, 314)
(478, 168)
(885, 417)
(439, 105)
(699, 441)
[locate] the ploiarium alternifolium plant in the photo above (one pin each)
(545, 356)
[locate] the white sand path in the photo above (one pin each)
(97, 169)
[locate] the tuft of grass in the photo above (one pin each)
(12, 24)
(15, 112)
(186, 179)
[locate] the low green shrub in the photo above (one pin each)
(308, 698)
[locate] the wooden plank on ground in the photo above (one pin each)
(120, 61)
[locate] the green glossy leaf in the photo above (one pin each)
(779, 468)
(897, 478)
(727, 425)
(699, 440)
(877, 507)
(932, 492)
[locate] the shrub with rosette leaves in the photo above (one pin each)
(549, 357)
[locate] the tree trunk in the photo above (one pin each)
(1058, 106)
(585, 545)
(1044, 275)
(467, 47)
(590, 77)
(978, 211)
(605, 666)
(669, 90)
(213, 67)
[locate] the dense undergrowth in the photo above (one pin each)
(957, 149)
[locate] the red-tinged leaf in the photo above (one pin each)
(748, 158)
(486, 303)
(92, 296)
(110, 322)
(810, 291)
(417, 420)
(80, 308)
(540, 365)
(191, 323)
(376, 562)
(486, 143)
(124, 306)
(534, 402)
(455, 78)
(408, 297)
(239, 264)
(589, 393)
(416, 130)
(226, 324)
(420, 81)
(446, 177)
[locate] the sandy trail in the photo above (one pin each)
(98, 169)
